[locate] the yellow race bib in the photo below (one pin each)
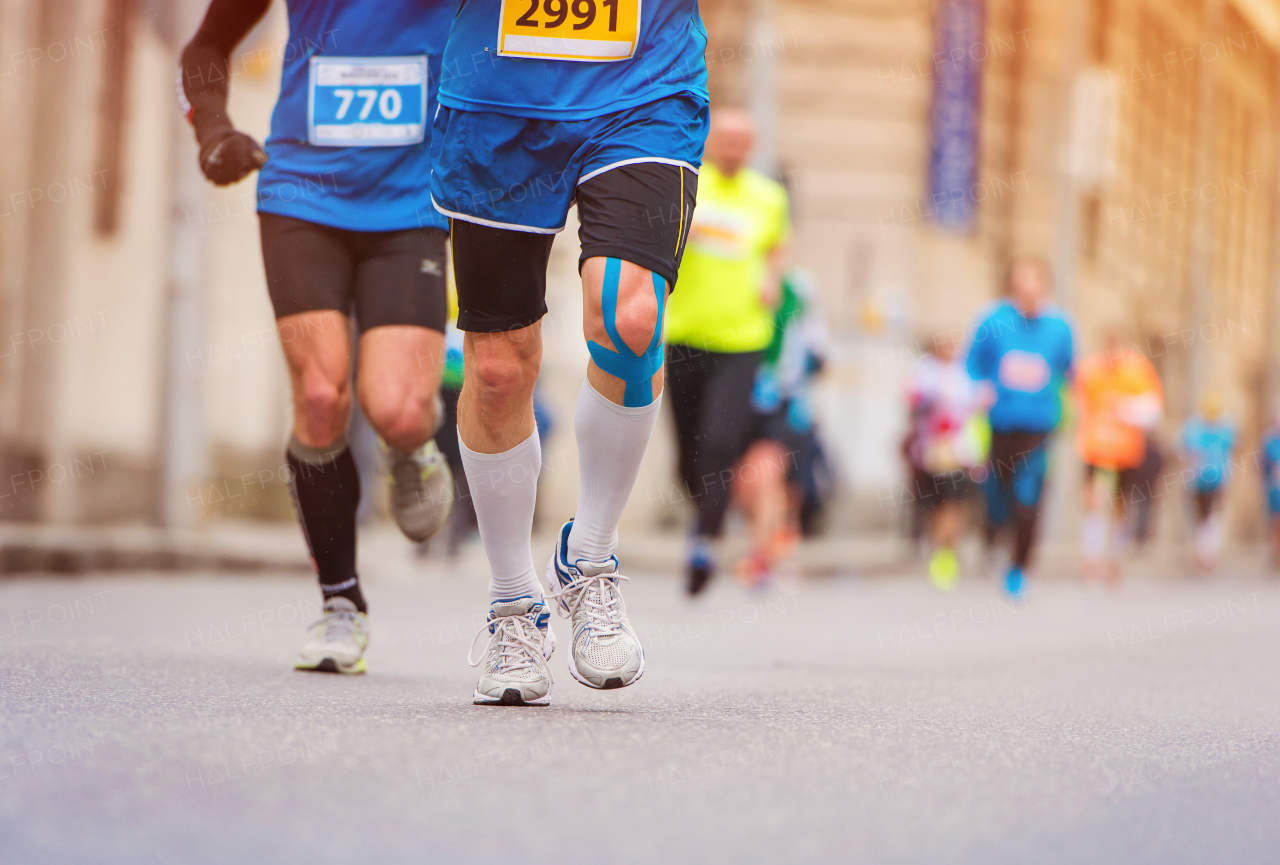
(584, 30)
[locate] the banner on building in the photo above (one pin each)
(956, 113)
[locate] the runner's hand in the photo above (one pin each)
(230, 157)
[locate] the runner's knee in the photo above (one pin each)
(504, 365)
(624, 332)
(636, 316)
(402, 413)
(628, 297)
(322, 406)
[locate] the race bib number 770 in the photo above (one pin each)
(584, 30)
(367, 101)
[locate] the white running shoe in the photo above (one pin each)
(336, 641)
(421, 490)
(514, 665)
(606, 653)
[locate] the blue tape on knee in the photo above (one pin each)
(636, 370)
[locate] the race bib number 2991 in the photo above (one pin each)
(583, 30)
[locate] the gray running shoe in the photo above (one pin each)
(421, 490)
(336, 641)
(606, 653)
(513, 669)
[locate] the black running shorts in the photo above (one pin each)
(639, 213)
(385, 277)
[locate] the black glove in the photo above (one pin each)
(229, 156)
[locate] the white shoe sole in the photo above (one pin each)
(510, 697)
(329, 665)
(609, 684)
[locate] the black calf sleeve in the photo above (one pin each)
(326, 492)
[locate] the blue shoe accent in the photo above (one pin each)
(538, 609)
(1015, 582)
(700, 554)
(702, 566)
(562, 563)
(565, 573)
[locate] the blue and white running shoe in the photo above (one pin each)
(514, 668)
(606, 652)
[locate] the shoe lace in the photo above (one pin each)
(408, 476)
(601, 599)
(338, 625)
(516, 651)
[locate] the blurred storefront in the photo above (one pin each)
(139, 362)
(1177, 236)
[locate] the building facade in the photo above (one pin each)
(1130, 143)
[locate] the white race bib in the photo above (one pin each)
(720, 231)
(1024, 371)
(367, 101)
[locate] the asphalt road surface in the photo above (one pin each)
(156, 718)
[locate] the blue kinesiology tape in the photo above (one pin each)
(637, 370)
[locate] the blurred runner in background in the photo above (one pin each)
(1271, 485)
(777, 474)
(462, 522)
(951, 437)
(1120, 400)
(1023, 346)
(1207, 441)
(915, 509)
(1140, 490)
(720, 322)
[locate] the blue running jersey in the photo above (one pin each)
(1027, 361)
(1208, 446)
(350, 143)
(1271, 469)
(573, 59)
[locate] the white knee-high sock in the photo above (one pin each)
(611, 443)
(504, 489)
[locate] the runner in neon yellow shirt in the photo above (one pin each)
(730, 277)
(720, 319)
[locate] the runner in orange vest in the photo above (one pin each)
(1120, 401)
